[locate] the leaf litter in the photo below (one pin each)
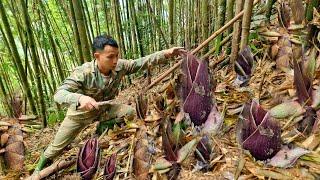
(138, 143)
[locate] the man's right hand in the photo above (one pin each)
(87, 103)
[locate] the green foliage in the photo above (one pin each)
(54, 115)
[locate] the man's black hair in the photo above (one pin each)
(101, 41)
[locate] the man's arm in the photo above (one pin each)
(150, 60)
(70, 90)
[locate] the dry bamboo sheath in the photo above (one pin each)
(214, 35)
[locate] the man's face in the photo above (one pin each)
(107, 59)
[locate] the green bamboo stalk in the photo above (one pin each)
(82, 31)
(220, 23)
(118, 25)
(135, 22)
(156, 24)
(96, 16)
(76, 34)
(187, 25)
(5, 96)
(87, 19)
(36, 62)
(17, 59)
(205, 23)
(53, 23)
(133, 33)
(230, 14)
(53, 46)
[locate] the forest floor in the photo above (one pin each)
(268, 85)
(228, 161)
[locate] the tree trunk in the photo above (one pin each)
(38, 37)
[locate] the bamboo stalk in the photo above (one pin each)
(16, 58)
(57, 166)
(171, 21)
(215, 34)
(230, 4)
(205, 22)
(36, 63)
(157, 24)
(79, 18)
(220, 21)
(230, 14)
(224, 41)
(246, 20)
(236, 34)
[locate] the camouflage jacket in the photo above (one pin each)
(87, 79)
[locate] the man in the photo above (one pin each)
(92, 82)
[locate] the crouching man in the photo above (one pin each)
(92, 82)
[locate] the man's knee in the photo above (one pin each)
(66, 133)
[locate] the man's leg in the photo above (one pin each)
(67, 132)
(114, 115)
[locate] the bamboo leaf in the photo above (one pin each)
(287, 109)
(186, 150)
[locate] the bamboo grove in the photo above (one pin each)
(44, 40)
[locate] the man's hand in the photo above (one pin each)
(175, 51)
(87, 103)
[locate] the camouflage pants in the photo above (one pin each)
(76, 120)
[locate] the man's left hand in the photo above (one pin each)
(174, 51)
